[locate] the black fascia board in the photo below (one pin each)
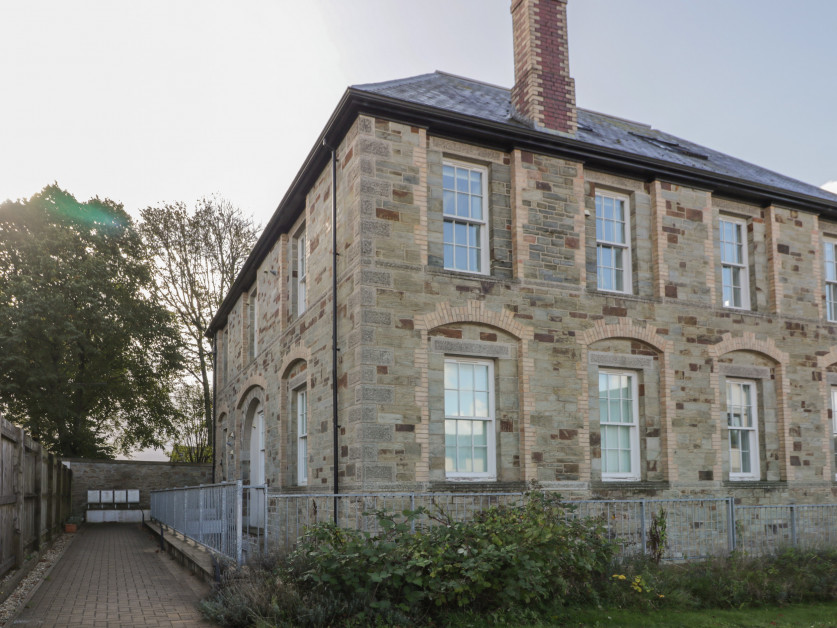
(503, 136)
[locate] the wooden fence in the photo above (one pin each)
(34, 496)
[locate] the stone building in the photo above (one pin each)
(525, 291)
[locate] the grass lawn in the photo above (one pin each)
(814, 615)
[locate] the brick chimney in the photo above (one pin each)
(543, 92)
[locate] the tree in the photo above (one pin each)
(87, 359)
(197, 258)
(190, 436)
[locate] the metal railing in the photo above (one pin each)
(211, 515)
(241, 521)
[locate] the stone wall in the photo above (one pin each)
(131, 474)
(540, 319)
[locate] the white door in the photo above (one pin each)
(257, 475)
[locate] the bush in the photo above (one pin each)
(513, 558)
(506, 557)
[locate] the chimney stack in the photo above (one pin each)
(543, 92)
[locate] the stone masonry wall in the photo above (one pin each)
(540, 319)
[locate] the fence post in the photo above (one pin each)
(225, 527)
(239, 525)
(793, 525)
(200, 513)
(38, 514)
(412, 508)
(642, 524)
(20, 497)
(50, 515)
(266, 511)
(732, 541)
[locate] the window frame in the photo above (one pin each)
(753, 431)
(301, 413)
(743, 265)
(484, 223)
(490, 422)
(635, 475)
(625, 247)
(301, 279)
(833, 391)
(830, 244)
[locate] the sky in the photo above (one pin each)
(172, 100)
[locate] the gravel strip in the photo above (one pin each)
(9, 608)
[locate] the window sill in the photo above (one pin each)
(630, 485)
(485, 486)
(764, 484)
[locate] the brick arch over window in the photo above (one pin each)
(286, 463)
(253, 394)
(649, 335)
(474, 312)
(823, 362)
(749, 343)
(296, 354)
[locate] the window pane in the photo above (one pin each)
(449, 256)
(599, 228)
(607, 204)
(481, 404)
(451, 403)
(476, 208)
(624, 461)
(461, 180)
(462, 206)
(612, 461)
(608, 231)
(460, 233)
(466, 403)
(618, 280)
(466, 376)
(480, 464)
(615, 413)
(461, 258)
(473, 260)
(448, 177)
(473, 235)
(476, 182)
(451, 375)
(449, 202)
(480, 434)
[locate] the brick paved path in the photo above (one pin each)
(112, 575)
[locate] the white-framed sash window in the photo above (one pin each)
(469, 419)
(735, 278)
(613, 242)
(619, 425)
(465, 210)
(742, 425)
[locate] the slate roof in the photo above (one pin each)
(489, 102)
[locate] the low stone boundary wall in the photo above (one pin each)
(96, 475)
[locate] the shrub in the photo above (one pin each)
(506, 557)
(511, 558)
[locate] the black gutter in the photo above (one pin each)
(334, 348)
(212, 428)
(504, 136)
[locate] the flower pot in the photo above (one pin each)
(70, 527)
